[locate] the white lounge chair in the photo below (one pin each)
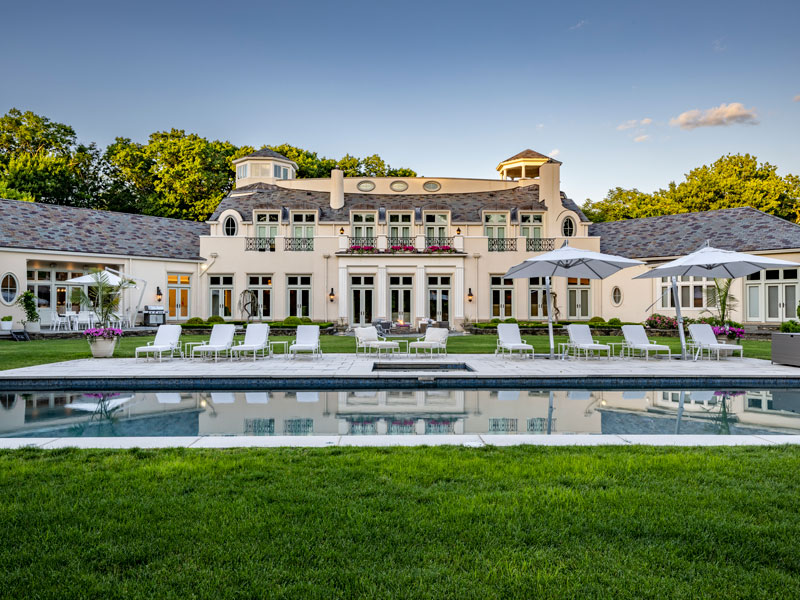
(367, 339)
(704, 339)
(256, 339)
(167, 340)
(220, 342)
(509, 339)
(580, 341)
(636, 341)
(435, 339)
(306, 340)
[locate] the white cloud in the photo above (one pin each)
(553, 153)
(719, 46)
(579, 24)
(540, 126)
(634, 123)
(646, 121)
(722, 115)
(641, 138)
(797, 98)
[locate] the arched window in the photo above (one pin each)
(229, 226)
(9, 288)
(568, 227)
(616, 296)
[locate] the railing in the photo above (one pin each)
(540, 244)
(400, 241)
(438, 242)
(259, 244)
(368, 242)
(299, 244)
(502, 244)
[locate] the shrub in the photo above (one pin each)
(292, 321)
(790, 326)
(195, 321)
(494, 320)
(27, 301)
(306, 320)
(597, 320)
(7, 318)
(657, 321)
(615, 322)
(215, 319)
(510, 320)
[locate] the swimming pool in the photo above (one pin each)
(401, 412)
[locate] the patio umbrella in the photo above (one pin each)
(568, 262)
(714, 263)
(105, 276)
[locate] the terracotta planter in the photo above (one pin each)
(33, 326)
(103, 347)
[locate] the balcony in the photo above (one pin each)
(540, 244)
(299, 244)
(259, 244)
(502, 244)
(438, 242)
(362, 243)
(400, 241)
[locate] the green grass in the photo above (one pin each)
(527, 522)
(23, 354)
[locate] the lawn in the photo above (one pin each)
(23, 354)
(525, 522)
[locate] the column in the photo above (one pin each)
(458, 292)
(381, 292)
(343, 292)
(419, 305)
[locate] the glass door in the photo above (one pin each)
(178, 296)
(439, 298)
(299, 300)
(578, 299)
(361, 300)
(400, 295)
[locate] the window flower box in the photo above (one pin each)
(439, 249)
(401, 248)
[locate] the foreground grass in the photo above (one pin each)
(426, 523)
(23, 354)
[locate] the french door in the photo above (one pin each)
(502, 291)
(178, 296)
(400, 297)
(781, 301)
(439, 298)
(362, 296)
(578, 299)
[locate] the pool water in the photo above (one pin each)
(401, 412)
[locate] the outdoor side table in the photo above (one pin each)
(187, 348)
(614, 345)
(284, 343)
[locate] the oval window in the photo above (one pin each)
(431, 186)
(9, 288)
(616, 296)
(366, 186)
(568, 227)
(229, 226)
(398, 186)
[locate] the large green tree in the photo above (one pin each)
(309, 164)
(731, 181)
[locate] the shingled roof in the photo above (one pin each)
(742, 229)
(530, 154)
(49, 227)
(464, 207)
(267, 153)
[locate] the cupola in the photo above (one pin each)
(524, 165)
(263, 165)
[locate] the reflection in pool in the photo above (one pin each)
(402, 412)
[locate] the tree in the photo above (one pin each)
(29, 133)
(731, 181)
(308, 163)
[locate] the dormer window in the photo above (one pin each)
(436, 225)
(494, 225)
(241, 171)
(531, 225)
(230, 226)
(364, 225)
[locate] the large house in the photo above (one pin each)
(354, 250)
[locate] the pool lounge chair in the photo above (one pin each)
(509, 339)
(256, 339)
(636, 341)
(220, 342)
(580, 341)
(306, 340)
(167, 341)
(704, 340)
(435, 340)
(367, 339)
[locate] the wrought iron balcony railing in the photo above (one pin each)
(540, 244)
(400, 241)
(438, 242)
(259, 244)
(299, 244)
(502, 244)
(363, 242)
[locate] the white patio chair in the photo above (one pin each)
(168, 397)
(509, 339)
(59, 322)
(256, 339)
(580, 341)
(223, 397)
(167, 340)
(306, 340)
(256, 397)
(704, 340)
(85, 318)
(636, 341)
(220, 341)
(435, 340)
(367, 339)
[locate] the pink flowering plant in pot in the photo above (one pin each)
(440, 249)
(730, 332)
(102, 340)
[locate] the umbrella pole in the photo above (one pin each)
(680, 412)
(549, 316)
(550, 413)
(678, 314)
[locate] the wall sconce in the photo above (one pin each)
(331, 296)
(159, 295)
(341, 230)
(470, 297)
(458, 230)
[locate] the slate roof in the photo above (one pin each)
(50, 227)
(530, 154)
(742, 229)
(267, 153)
(464, 207)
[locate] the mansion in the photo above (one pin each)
(405, 249)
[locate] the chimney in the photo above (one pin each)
(337, 189)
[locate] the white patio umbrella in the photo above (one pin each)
(714, 263)
(105, 276)
(568, 262)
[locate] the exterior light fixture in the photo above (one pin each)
(341, 230)
(470, 297)
(159, 295)
(458, 230)
(331, 296)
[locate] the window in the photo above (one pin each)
(365, 186)
(400, 229)
(568, 227)
(266, 231)
(363, 225)
(690, 290)
(494, 225)
(299, 295)
(398, 186)
(221, 288)
(8, 288)
(537, 297)
(39, 284)
(229, 227)
(241, 171)
(436, 225)
(502, 295)
(303, 224)
(531, 225)
(261, 286)
(616, 296)
(279, 172)
(431, 186)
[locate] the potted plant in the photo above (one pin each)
(105, 299)
(102, 340)
(5, 323)
(27, 300)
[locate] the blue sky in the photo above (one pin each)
(449, 89)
